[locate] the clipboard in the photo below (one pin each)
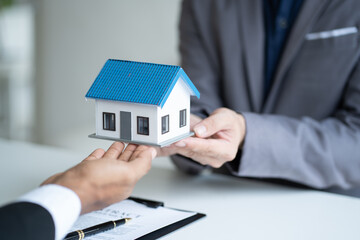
(167, 229)
(150, 219)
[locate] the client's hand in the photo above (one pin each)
(107, 177)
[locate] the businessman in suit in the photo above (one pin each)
(101, 179)
(280, 89)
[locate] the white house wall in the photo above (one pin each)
(115, 107)
(178, 99)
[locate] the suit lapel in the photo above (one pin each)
(252, 36)
(307, 15)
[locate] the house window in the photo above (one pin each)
(183, 118)
(109, 121)
(165, 124)
(143, 125)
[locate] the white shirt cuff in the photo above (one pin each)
(62, 203)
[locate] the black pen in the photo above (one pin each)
(146, 202)
(80, 234)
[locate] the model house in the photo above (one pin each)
(143, 103)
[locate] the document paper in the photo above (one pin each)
(144, 220)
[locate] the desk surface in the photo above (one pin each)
(235, 208)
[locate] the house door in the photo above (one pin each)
(125, 125)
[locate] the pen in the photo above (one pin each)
(146, 202)
(80, 234)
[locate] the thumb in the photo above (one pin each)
(217, 121)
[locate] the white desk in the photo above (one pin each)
(235, 208)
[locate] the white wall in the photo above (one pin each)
(74, 39)
(136, 110)
(179, 99)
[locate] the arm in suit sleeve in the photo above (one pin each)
(320, 154)
(25, 220)
(44, 213)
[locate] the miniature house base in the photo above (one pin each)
(162, 144)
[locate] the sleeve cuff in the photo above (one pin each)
(256, 151)
(264, 153)
(62, 203)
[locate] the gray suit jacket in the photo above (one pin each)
(308, 129)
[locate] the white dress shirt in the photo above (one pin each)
(62, 203)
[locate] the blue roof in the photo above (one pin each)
(138, 82)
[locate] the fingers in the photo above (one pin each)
(127, 153)
(165, 151)
(114, 150)
(218, 138)
(213, 152)
(220, 119)
(97, 154)
(140, 161)
(142, 151)
(194, 120)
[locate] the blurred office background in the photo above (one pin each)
(52, 50)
